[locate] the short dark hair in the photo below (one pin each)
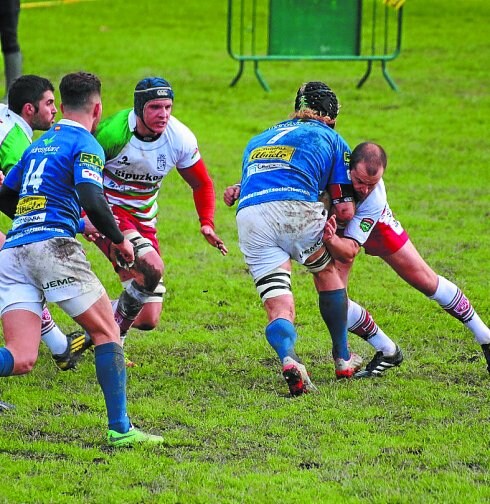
(370, 153)
(76, 89)
(27, 89)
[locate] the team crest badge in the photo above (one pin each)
(161, 162)
(366, 224)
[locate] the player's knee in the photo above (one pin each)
(150, 273)
(152, 279)
(24, 364)
(147, 324)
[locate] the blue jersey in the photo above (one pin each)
(293, 160)
(45, 179)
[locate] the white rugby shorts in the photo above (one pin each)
(54, 270)
(271, 233)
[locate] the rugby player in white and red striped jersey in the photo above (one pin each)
(142, 145)
(375, 228)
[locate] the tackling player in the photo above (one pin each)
(142, 145)
(375, 228)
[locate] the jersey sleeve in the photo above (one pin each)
(12, 148)
(89, 162)
(340, 168)
(367, 214)
(189, 153)
(114, 133)
(13, 180)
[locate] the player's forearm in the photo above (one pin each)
(93, 201)
(342, 249)
(205, 202)
(8, 201)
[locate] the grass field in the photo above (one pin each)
(207, 380)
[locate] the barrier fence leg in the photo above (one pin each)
(238, 75)
(260, 78)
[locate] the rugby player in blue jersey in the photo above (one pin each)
(41, 260)
(31, 107)
(280, 218)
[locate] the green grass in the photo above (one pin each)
(207, 379)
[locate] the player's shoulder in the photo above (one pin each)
(116, 124)
(377, 198)
(179, 132)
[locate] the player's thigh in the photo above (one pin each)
(258, 240)
(98, 321)
(412, 268)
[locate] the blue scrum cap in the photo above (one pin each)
(151, 88)
(318, 97)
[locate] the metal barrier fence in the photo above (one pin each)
(350, 30)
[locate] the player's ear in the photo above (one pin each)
(28, 110)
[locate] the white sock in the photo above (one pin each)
(479, 329)
(454, 302)
(360, 322)
(56, 340)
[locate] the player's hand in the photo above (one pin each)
(213, 239)
(91, 233)
(231, 194)
(2, 177)
(124, 252)
(330, 228)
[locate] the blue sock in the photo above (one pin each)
(6, 362)
(281, 335)
(111, 374)
(333, 307)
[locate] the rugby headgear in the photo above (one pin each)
(318, 97)
(151, 88)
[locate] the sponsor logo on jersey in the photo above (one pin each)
(62, 282)
(91, 160)
(28, 219)
(137, 177)
(90, 174)
(262, 167)
(49, 141)
(30, 204)
(161, 162)
(366, 224)
(124, 161)
(196, 152)
(346, 158)
(48, 150)
(272, 152)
